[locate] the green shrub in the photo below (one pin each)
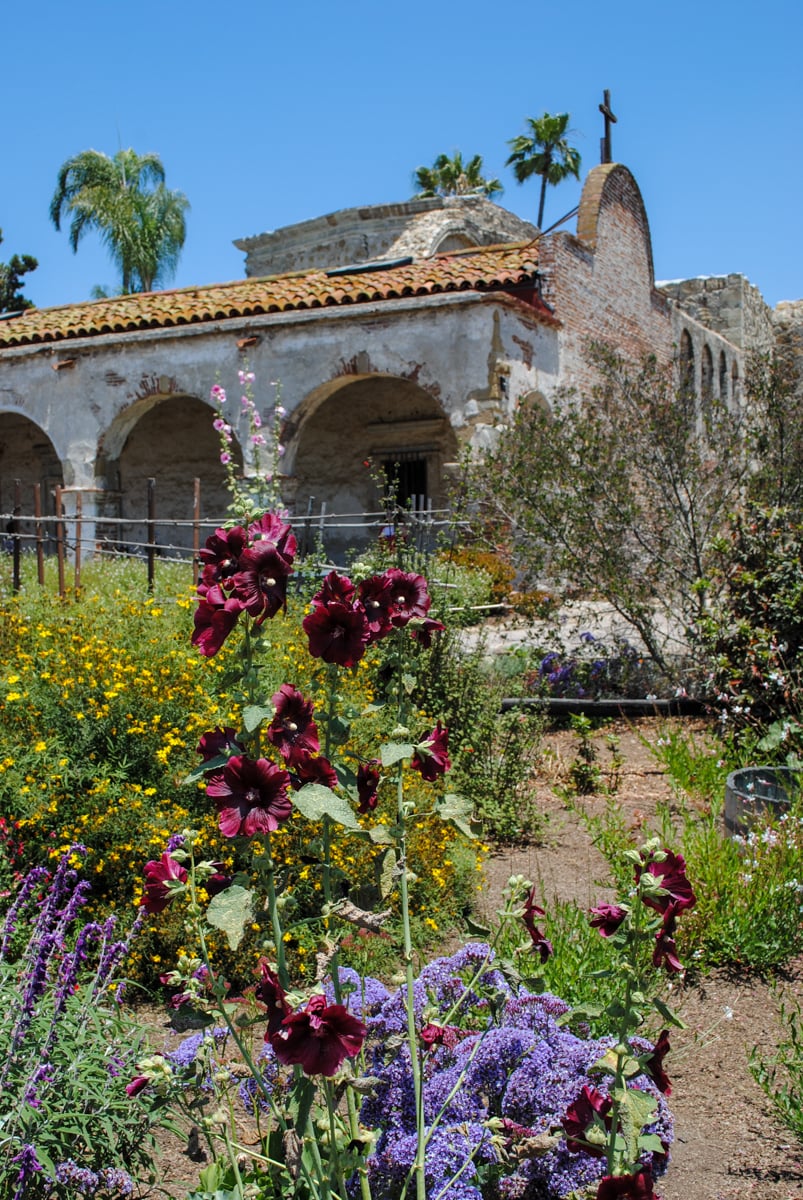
(780, 1075)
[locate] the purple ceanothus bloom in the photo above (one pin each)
(318, 1037)
(367, 786)
(251, 796)
(338, 633)
(580, 1117)
(161, 879)
(541, 944)
(292, 730)
(671, 875)
(431, 756)
(409, 596)
(607, 918)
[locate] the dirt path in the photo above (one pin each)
(727, 1145)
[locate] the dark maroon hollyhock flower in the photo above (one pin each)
(271, 993)
(213, 624)
(261, 582)
(422, 631)
(431, 756)
(137, 1084)
(541, 943)
(580, 1117)
(218, 883)
(655, 1063)
(251, 796)
(607, 918)
(671, 874)
(221, 554)
(292, 730)
(375, 597)
(408, 594)
(270, 528)
(313, 770)
(158, 876)
(218, 741)
(367, 785)
(338, 633)
(440, 1035)
(634, 1187)
(335, 589)
(665, 952)
(319, 1037)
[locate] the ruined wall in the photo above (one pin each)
(417, 228)
(788, 327)
(727, 304)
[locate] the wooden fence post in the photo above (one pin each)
(78, 514)
(196, 528)
(60, 542)
(16, 583)
(151, 524)
(40, 546)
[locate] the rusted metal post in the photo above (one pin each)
(16, 582)
(60, 542)
(151, 524)
(196, 528)
(40, 545)
(78, 515)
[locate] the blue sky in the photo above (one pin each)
(270, 113)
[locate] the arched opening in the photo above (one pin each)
(174, 443)
(352, 435)
(706, 378)
(723, 377)
(686, 366)
(735, 384)
(28, 455)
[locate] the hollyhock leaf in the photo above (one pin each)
(457, 811)
(651, 1142)
(380, 835)
(204, 768)
(254, 715)
(476, 928)
(667, 1013)
(387, 873)
(408, 683)
(636, 1110)
(229, 911)
(315, 801)
(393, 752)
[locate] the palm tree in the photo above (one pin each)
(452, 177)
(545, 152)
(124, 199)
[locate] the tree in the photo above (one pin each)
(124, 199)
(545, 151)
(11, 299)
(620, 495)
(452, 177)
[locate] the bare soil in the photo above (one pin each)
(728, 1145)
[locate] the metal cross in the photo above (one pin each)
(610, 119)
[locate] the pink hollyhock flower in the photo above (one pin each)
(367, 786)
(161, 879)
(409, 595)
(655, 1063)
(217, 742)
(335, 589)
(213, 624)
(292, 730)
(607, 918)
(338, 633)
(671, 875)
(375, 597)
(261, 581)
(272, 995)
(431, 756)
(251, 796)
(665, 952)
(137, 1084)
(318, 1037)
(632, 1187)
(540, 943)
(307, 769)
(580, 1117)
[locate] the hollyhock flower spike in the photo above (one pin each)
(607, 918)
(431, 758)
(318, 1037)
(251, 796)
(292, 730)
(163, 880)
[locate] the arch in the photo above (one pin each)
(348, 428)
(453, 240)
(604, 185)
(27, 454)
(686, 362)
(706, 377)
(736, 393)
(169, 438)
(723, 377)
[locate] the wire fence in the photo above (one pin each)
(71, 534)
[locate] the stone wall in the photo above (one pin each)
(727, 304)
(417, 228)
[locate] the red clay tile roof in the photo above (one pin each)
(505, 268)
